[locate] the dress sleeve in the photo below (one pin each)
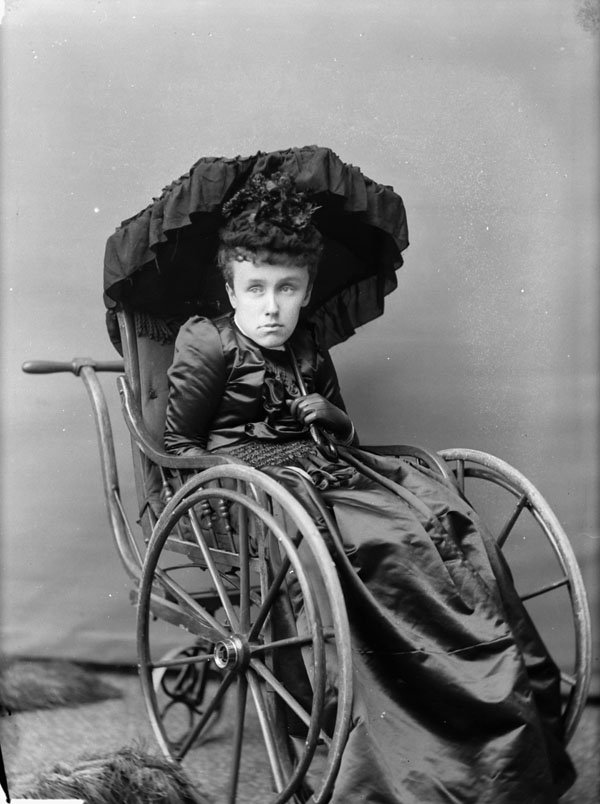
(196, 383)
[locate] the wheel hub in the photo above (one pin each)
(230, 654)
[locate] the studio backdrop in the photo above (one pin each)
(486, 124)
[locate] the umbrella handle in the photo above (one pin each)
(323, 443)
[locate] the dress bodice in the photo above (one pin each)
(226, 390)
(279, 389)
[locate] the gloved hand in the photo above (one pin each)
(315, 409)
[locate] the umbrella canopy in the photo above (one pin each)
(162, 262)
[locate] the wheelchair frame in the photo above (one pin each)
(270, 504)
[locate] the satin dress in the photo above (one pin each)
(455, 696)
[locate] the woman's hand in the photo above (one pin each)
(315, 409)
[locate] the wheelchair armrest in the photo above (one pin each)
(431, 459)
(147, 444)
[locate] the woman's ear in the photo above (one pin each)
(306, 298)
(231, 294)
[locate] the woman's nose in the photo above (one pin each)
(271, 305)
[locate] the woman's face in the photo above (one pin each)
(267, 299)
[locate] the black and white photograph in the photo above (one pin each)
(299, 336)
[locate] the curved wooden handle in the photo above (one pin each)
(323, 443)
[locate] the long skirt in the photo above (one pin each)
(455, 696)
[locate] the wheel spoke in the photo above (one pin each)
(240, 716)
(544, 589)
(460, 475)
(233, 582)
(285, 696)
(244, 571)
(178, 591)
(210, 709)
(214, 573)
(269, 599)
(288, 642)
(510, 523)
(186, 566)
(185, 660)
(267, 731)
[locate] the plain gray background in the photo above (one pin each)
(483, 115)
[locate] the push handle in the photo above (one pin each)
(74, 366)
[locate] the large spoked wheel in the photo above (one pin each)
(558, 604)
(237, 567)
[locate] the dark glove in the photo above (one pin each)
(315, 409)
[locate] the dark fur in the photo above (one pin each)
(129, 776)
(27, 684)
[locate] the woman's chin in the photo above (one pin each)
(271, 339)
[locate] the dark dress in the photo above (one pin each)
(456, 698)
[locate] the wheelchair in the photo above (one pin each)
(218, 543)
(219, 547)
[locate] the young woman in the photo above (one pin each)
(456, 699)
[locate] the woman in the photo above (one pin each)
(456, 699)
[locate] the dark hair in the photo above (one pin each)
(269, 221)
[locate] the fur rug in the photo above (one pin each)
(128, 776)
(30, 684)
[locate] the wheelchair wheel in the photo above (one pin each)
(236, 563)
(518, 517)
(180, 685)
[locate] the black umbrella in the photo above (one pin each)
(162, 262)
